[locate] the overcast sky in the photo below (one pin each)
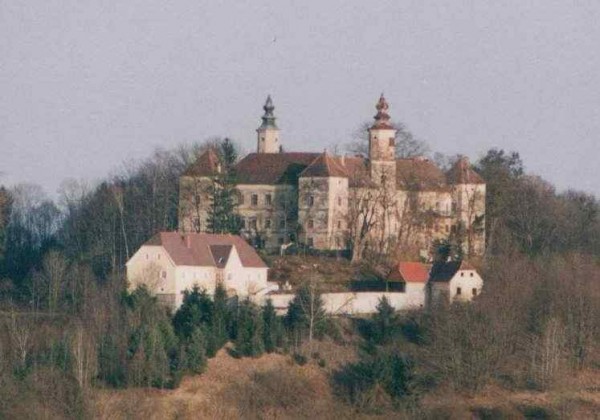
(86, 85)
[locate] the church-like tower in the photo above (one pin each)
(268, 132)
(382, 145)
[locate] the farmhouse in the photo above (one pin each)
(171, 262)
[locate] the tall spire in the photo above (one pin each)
(268, 119)
(382, 118)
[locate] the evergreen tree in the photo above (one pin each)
(249, 340)
(218, 328)
(223, 217)
(195, 352)
(271, 327)
(196, 310)
(384, 321)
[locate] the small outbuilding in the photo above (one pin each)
(411, 276)
(454, 280)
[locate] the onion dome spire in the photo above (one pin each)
(268, 119)
(382, 118)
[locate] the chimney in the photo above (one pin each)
(188, 241)
(344, 160)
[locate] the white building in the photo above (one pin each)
(454, 281)
(171, 262)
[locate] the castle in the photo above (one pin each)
(328, 202)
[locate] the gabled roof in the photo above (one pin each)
(207, 164)
(273, 168)
(206, 250)
(221, 254)
(419, 174)
(410, 272)
(444, 271)
(324, 166)
(461, 173)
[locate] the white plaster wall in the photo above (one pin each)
(467, 280)
(189, 276)
(354, 303)
(146, 267)
(244, 280)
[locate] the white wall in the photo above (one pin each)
(466, 280)
(354, 303)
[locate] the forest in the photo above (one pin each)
(69, 327)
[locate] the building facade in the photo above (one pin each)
(171, 263)
(342, 202)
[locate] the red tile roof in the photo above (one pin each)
(461, 173)
(410, 272)
(273, 168)
(419, 174)
(325, 166)
(207, 164)
(204, 249)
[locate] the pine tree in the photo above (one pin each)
(271, 327)
(218, 327)
(223, 217)
(196, 310)
(249, 340)
(383, 322)
(195, 352)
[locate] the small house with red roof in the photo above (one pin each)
(413, 276)
(171, 262)
(454, 281)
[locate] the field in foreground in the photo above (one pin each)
(272, 386)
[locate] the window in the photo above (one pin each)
(268, 199)
(158, 256)
(240, 198)
(474, 292)
(282, 224)
(310, 200)
(462, 274)
(470, 274)
(280, 240)
(391, 142)
(253, 223)
(458, 291)
(268, 224)
(147, 256)
(339, 224)
(163, 274)
(338, 242)
(254, 200)
(447, 228)
(453, 207)
(309, 242)
(311, 223)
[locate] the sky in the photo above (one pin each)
(88, 85)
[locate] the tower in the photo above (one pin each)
(382, 145)
(268, 132)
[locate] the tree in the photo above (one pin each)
(249, 341)
(306, 312)
(218, 326)
(271, 326)
(222, 192)
(196, 310)
(384, 321)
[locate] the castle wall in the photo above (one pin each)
(270, 212)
